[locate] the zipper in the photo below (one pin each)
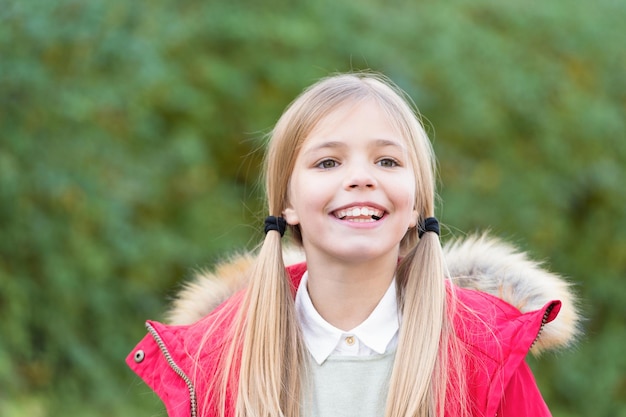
(168, 357)
(544, 321)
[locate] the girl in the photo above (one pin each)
(370, 324)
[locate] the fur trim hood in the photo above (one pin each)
(479, 262)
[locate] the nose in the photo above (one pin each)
(360, 176)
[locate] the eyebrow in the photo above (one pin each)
(324, 145)
(381, 143)
(378, 143)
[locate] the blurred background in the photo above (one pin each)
(131, 135)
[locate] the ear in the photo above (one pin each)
(291, 216)
(414, 217)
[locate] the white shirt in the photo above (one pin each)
(376, 335)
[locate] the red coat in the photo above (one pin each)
(498, 336)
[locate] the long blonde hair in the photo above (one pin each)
(265, 356)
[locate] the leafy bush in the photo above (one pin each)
(132, 136)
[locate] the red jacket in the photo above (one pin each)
(497, 334)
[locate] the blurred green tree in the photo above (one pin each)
(132, 135)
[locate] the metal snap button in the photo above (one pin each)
(139, 356)
(350, 340)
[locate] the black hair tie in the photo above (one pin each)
(275, 223)
(430, 224)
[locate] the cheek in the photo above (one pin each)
(308, 196)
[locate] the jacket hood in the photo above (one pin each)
(478, 262)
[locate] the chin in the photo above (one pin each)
(364, 254)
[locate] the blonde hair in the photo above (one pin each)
(265, 355)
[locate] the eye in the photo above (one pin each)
(387, 163)
(327, 163)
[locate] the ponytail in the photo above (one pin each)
(266, 342)
(414, 389)
(428, 373)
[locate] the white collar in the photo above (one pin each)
(374, 335)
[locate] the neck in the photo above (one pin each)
(346, 294)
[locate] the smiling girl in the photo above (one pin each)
(375, 322)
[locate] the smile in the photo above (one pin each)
(359, 214)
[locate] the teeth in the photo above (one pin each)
(359, 214)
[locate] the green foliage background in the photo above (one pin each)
(130, 144)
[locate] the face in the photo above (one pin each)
(352, 190)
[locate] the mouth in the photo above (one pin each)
(359, 214)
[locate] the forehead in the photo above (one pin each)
(364, 120)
